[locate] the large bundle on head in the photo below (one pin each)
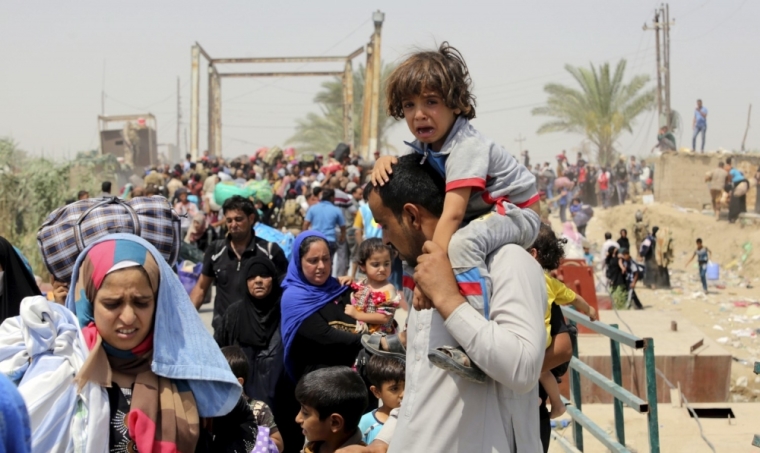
(261, 191)
(273, 155)
(70, 229)
(227, 189)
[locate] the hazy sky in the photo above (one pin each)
(53, 55)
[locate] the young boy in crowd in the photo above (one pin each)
(387, 375)
(261, 412)
(332, 401)
(703, 255)
(485, 185)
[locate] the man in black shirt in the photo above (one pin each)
(225, 260)
(620, 173)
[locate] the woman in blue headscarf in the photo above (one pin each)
(316, 331)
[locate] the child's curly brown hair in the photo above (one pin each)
(549, 248)
(443, 71)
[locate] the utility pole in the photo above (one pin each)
(666, 48)
(520, 139)
(195, 88)
(179, 119)
(749, 113)
(662, 22)
(374, 121)
(103, 91)
(659, 65)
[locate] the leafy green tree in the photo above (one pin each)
(601, 109)
(320, 132)
(33, 187)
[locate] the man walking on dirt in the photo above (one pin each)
(699, 125)
(716, 179)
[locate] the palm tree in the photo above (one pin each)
(320, 132)
(602, 109)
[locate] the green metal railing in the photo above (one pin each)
(613, 386)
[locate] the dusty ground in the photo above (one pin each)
(730, 313)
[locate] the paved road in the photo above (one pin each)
(207, 311)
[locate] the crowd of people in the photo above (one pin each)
(309, 350)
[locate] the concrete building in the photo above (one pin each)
(679, 178)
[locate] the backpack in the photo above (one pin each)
(290, 215)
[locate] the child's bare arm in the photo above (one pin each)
(582, 306)
(382, 169)
(454, 206)
(369, 318)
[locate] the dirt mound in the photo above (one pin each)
(731, 245)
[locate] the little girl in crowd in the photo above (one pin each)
(374, 300)
(548, 251)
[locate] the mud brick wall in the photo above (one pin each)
(679, 178)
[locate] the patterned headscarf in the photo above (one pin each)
(163, 414)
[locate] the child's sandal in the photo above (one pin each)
(395, 349)
(456, 361)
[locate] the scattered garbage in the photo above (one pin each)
(741, 381)
(744, 333)
(723, 340)
(739, 319)
(742, 361)
(717, 327)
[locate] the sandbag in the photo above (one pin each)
(275, 236)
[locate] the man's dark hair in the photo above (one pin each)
(335, 390)
(608, 235)
(82, 193)
(106, 186)
(188, 156)
(699, 240)
(238, 203)
(316, 191)
(237, 360)
(415, 183)
(328, 194)
(549, 249)
(721, 164)
(382, 369)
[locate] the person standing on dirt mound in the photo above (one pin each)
(640, 230)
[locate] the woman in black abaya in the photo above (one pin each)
(254, 324)
(16, 282)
